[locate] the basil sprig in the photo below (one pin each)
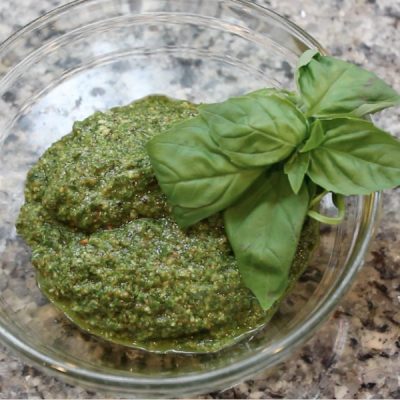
(266, 159)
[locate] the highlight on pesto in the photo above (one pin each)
(171, 226)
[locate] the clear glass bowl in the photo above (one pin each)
(94, 54)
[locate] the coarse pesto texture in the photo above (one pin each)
(99, 176)
(110, 256)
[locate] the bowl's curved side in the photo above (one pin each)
(249, 38)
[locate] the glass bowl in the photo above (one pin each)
(94, 54)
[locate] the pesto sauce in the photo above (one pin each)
(110, 256)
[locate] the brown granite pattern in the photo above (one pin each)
(356, 353)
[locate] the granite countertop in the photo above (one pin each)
(356, 352)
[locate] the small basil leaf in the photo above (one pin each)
(194, 174)
(355, 158)
(255, 130)
(331, 86)
(316, 137)
(296, 169)
(264, 229)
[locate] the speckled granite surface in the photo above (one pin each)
(356, 354)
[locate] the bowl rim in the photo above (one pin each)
(199, 382)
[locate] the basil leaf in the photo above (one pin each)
(317, 136)
(330, 86)
(186, 216)
(264, 229)
(193, 172)
(293, 97)
(255, 130)
(355, 158)
(296, 169)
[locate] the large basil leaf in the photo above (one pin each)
(264, 229)
(255, 130)
(330, 86)
(355, 158)
(196, 177)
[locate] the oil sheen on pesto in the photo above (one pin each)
(110, 256)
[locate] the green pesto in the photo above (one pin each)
(109, 255)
